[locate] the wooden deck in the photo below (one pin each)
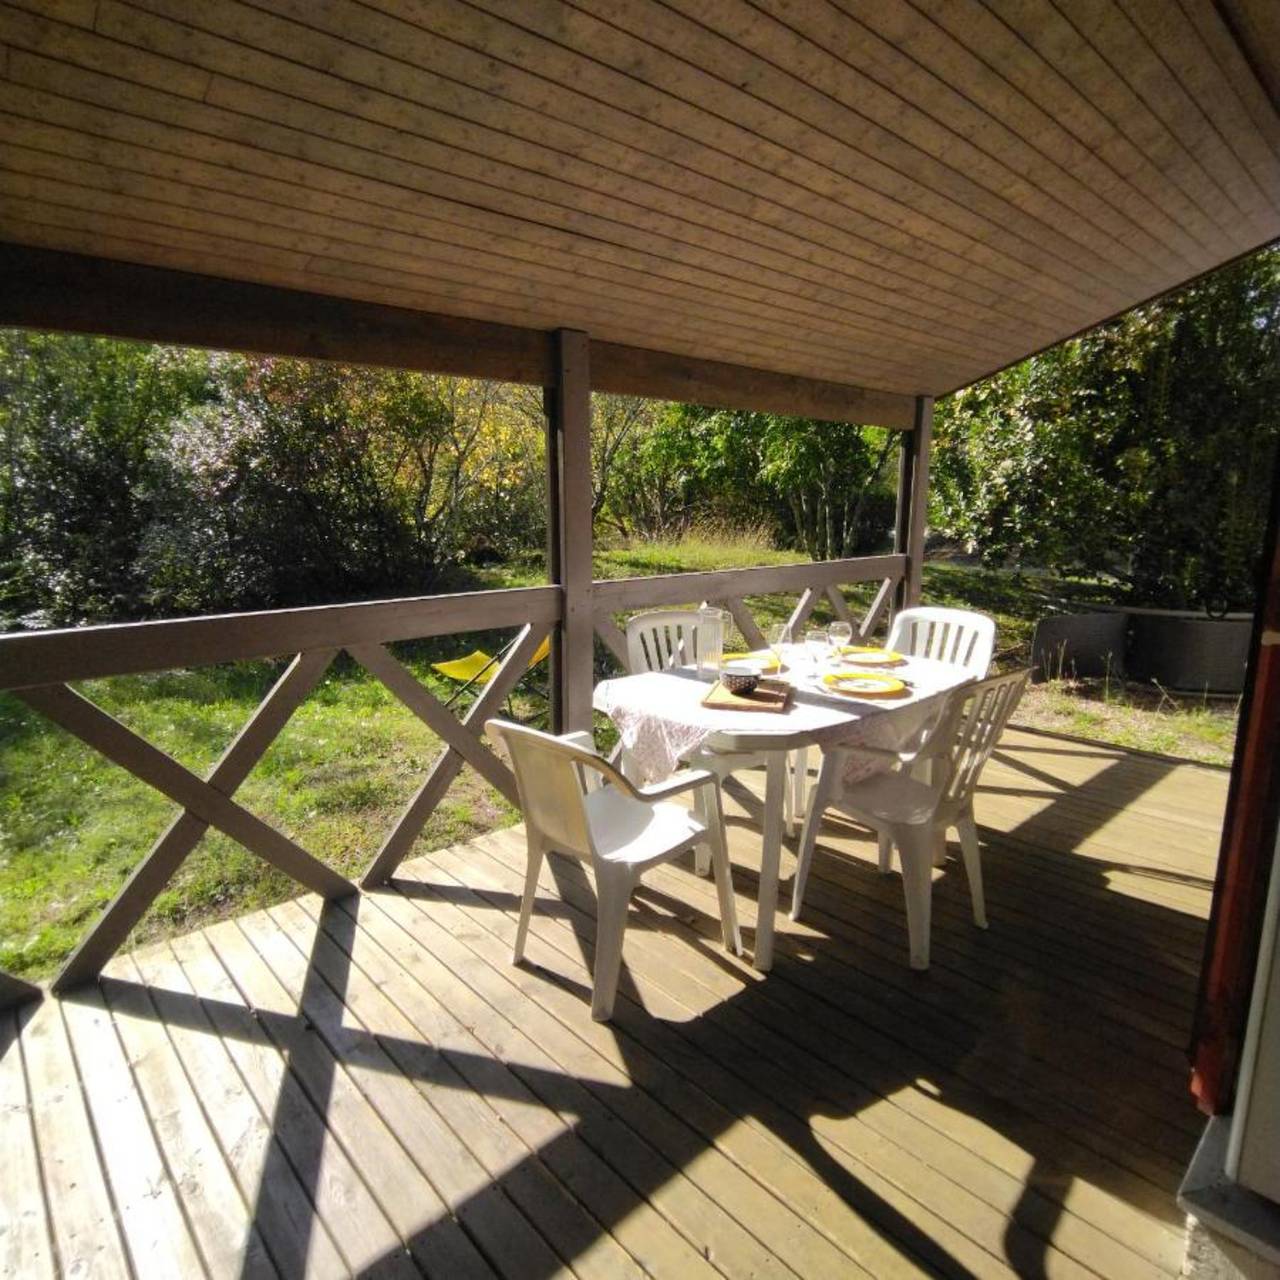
(369, 1086)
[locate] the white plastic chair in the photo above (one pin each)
(575, 802)
(957, 636)
(661, 639)
(665, 638)
(915, 815)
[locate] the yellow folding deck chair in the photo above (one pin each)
(479, 668)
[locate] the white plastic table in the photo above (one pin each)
(661, 721)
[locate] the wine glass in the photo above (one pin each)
(816, 644)
(779, 637)
(839, 633)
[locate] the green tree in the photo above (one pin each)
(820, 486)
(317, 482)
(1143, 449)
(80, 419)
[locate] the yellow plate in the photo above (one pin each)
(765, 657)
(863, 684)
(869, 655)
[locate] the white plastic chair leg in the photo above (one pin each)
(707, 816)
(973, 867)
(533, 869)
(613, 892)
(940, 849)
(885, 843)
(813, 820)
(724, 876)
(915, 850)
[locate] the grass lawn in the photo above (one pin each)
(72, 826)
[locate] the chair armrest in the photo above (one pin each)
(685, 780)
(591, 780)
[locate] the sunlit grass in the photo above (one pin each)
(72, 825)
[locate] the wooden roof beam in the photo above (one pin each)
(47, 289)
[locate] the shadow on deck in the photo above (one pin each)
(368, 1086)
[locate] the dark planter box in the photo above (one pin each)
(1182, 651)
(1189, 651)
(1079, 644)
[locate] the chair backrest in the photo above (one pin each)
(978, 714)
(550, 777)
(957, 636)
(661, 639)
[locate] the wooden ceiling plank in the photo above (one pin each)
(1254, 27)
(1179, 44)
(1039, 25)
(66, 227)
(457, 294)
(808, 192)
(1237, 60)
(841, 115)
(68, 230)
(383, 142)
(62, 291)
(1012, 119)
(872, 218)
(122, 195)
(1111, 32)
(616, 67)
(39, 24)
(285, 201)
(297, 228)
(225, 147)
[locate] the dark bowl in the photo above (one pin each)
(740, 677)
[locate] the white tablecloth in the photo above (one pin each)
(661, 719)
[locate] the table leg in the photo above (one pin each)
(770, 856)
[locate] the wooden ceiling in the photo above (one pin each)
(901, 196)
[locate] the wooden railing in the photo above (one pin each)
(38, 667)
(729, 587)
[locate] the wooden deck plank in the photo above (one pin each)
(1024, 1058)
(230, 1243)
(343, 1202)
(693, 966)
(421, 1214)
(619, 1153)
(25, 1245)
(651, 1104)
(466, 1147)
(151, 1219)
(298, 1243)
(85, 1233)
(319, 1089)
(680, 971)
(530, 1143)
(872, 1170)
(387, 1183)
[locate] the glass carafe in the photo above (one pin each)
(709, 641)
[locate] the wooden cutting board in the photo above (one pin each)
(768, 695)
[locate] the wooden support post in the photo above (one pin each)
(568, 404)
(913, 501)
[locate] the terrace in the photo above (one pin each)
(368, 1084)
(793, 208)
